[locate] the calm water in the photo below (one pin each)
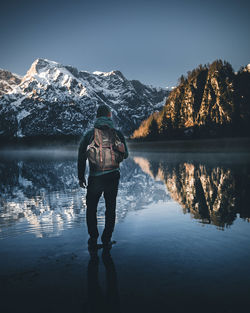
(182, 235)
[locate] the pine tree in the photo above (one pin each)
(153, 131)
(169, 128)
(181, 80)
(164, 125)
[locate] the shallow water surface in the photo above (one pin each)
(182, 235)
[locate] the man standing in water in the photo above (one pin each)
(103, 177)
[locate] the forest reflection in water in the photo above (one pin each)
(42, 196)
(214, 191)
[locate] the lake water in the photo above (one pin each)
(182, 232)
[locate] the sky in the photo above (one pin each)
(153, 41)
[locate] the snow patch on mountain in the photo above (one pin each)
(248, 67)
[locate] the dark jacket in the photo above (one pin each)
(87, 139)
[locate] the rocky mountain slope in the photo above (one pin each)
(8, 81)
(209, 99)
(53, 99)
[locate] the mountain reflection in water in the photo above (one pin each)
(42, 196)
(212, 193)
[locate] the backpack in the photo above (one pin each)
(106, 151)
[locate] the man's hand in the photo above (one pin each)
(82, 183)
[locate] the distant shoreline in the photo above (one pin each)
(233, 144)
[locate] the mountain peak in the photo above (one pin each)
(40, 65)
(114, 72)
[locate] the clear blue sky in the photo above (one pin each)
(153, 41)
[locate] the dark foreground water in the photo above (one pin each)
(183, 236)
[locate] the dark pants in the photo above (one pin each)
(108, 185)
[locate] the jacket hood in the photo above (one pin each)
(104, 121)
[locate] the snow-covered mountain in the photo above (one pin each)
(53, 99)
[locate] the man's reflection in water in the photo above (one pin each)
(97, 300)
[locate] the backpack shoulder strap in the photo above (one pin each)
(97, 137)
(99, 142)
(116, 136)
